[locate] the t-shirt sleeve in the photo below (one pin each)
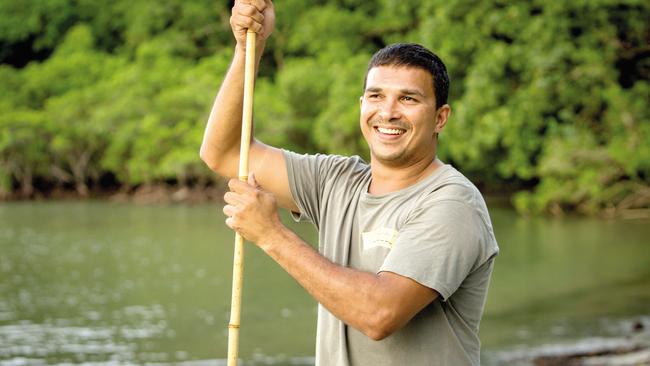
(302, 171)
(314, 179)
(439, 245)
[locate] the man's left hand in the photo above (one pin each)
(252, 212)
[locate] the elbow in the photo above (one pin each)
(205, 157)
(377, 335)
(209, 159)
(381, 325)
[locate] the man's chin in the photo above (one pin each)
(390, 159)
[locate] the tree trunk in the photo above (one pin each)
(78, 167)
(27, 183)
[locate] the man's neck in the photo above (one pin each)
(387, 179)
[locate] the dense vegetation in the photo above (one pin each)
(550, 99)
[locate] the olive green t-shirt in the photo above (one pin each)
(436, 232)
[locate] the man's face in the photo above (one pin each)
(399, 118)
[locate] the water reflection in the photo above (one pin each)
(87, 338)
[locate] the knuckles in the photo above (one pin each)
(250, 15)
(248, 10)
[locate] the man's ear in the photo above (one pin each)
(361, 101)
(442, 115)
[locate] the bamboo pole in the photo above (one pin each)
(238, 261)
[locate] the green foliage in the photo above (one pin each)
(23, 143)
(45, 21)
(548, 98)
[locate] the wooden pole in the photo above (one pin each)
(238, 261)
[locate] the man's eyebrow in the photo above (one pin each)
(375, 89)
(412, 92)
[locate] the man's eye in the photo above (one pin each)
(408, 99)
(373, 96)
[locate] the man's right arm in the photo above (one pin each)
(221, 140)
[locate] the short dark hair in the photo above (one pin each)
(414, 55)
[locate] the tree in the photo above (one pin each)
(549, 99)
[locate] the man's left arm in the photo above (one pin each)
(375, 304)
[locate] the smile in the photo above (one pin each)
(390, 131)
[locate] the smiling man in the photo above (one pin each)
(406, 247)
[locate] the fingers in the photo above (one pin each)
(237, 186)
(252, 12)
(232, 198)
(230, 222)
(240, 24)
(247, 16)
(251, 180)
(240, 195)
(229, 210)
(260, 5)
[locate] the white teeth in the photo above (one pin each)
(390, 131)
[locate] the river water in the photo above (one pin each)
(105, 283)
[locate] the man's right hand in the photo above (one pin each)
(258, 15)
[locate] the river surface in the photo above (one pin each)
(106, 283)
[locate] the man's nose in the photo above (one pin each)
(389, 110)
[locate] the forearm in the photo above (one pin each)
(221, 139)
(357, 298)
(375, 304)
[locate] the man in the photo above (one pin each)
(406, 244)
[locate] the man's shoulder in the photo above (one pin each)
(454, 199)
(451, 185)
(330, 173)
(326, 163)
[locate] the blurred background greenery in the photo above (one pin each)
(550, 98)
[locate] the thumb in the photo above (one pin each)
(252, 181)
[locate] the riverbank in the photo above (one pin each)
(144, 194)
(174, 194)
(631, 349)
